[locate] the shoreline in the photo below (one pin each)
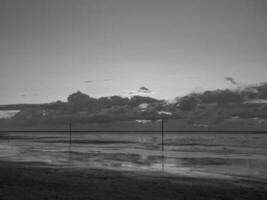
(33, 181)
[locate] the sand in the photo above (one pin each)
(32, 181)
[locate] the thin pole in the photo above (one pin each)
(70, 140)
(70, 130)
(162, 135)
(162, 144)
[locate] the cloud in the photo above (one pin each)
(232, 80)
(29, 95)
(142, 91)
(88, 81)
(108, 79)
(105, 80)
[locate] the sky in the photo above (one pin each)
(52, 48)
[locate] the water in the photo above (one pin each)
(206, 155)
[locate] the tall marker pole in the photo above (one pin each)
(162, 144)
(162, 135)
(70, 130)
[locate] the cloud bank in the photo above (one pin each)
(142, 91)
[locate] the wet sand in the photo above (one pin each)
(36, 181)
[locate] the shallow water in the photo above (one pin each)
(207, 155)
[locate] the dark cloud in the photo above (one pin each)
(144, 90)
(231, 80)
(88, 81)
(29, 95)
(141, 91)
(108, 79)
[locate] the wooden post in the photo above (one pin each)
(162, 135)
(162, 144)
(70, 130)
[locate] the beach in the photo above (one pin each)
(193, 155)
(124, 166)
(35, 181)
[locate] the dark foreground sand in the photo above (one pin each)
(23, 181)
